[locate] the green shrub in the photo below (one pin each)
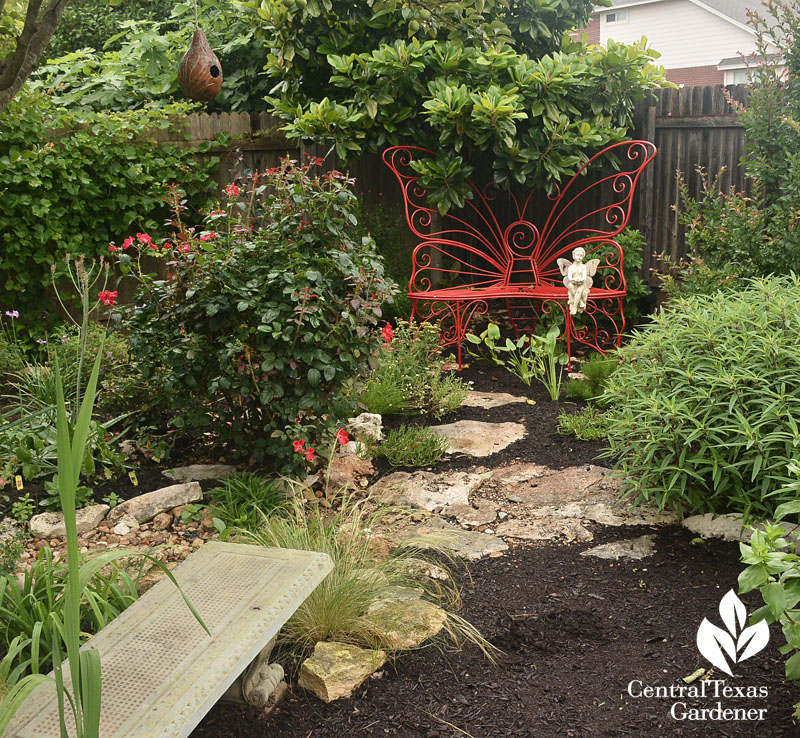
(264, 316)
(579, 389)
(588, 424)
(415, 446)
(705, 406)
(72, 181)
(245, 500)
(409, 379)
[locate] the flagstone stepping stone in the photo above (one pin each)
(539, 486)
(199, 472)
(544, 529)
(473, 516)
(336, 670)
(728, 527)
(395, 594)
(405, 624)
(477, 438)
(516, 474)
(628, 548)
(427, 490)
(490, 400)
(438, 535)
(615, 513)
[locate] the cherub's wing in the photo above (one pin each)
(564, 265)
(591, 267)
(595, 205)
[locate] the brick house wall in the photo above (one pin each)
(696, 76)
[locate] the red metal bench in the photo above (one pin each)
(467, 259)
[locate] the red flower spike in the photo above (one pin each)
(298, 445)
(310, 454)
(388, 333)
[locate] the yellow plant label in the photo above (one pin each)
(18, 481)
(134, 480)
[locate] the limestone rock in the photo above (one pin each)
(544, 529)
(162, 521)
(9, 528)
(426, 569)
(472, 516)
(396, 594)
(336, 670)
(51, 524)
(427, 490)
(347, 470)
(549, 487)
(404, 624)
(439, 535)
(366, 427)
(145, 507)
(489, 400)
(477, 438)
(199, 472)
(628, 548)
(514, 474)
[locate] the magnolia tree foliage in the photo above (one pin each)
(484, 82)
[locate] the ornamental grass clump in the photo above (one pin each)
(705, 407)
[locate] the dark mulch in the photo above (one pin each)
(575, 632)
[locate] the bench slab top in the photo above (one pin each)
(161, 673)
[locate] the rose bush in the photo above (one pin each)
(265, 312)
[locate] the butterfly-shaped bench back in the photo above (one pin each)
(498, 239)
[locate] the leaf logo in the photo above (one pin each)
(715, 643)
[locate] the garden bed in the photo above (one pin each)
(575, 631)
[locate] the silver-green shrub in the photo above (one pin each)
(705, 407)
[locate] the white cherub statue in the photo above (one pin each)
(578, 279)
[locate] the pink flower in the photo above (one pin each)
(298, 445)
(107, 297)
(208, 236)
(388, 333)
(112, 248)
(167, 245)
(2, 482)
(127, 243)
(184, 248)
(310, 454)
(144, 238)
(342, 437)
(232, 190)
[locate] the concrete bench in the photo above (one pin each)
(161, 672)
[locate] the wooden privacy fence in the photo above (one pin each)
(691, 126)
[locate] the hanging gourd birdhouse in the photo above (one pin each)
(200, 73)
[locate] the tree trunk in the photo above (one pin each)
(31, 43)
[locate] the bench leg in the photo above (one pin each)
(261, 684)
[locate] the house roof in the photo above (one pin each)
(732, 10)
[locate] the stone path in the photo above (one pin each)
(479, 512)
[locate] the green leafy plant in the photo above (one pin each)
(267, 313)
(411, 446)
(12, 545)
(23, 507)
(705, 405)
(408, 379)
(424, 74)
(112, 499)
(243, 501)
(71, 181)
(773, 568)
(588, 424)
(529, 357)
(598, 369)
(337, 609)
